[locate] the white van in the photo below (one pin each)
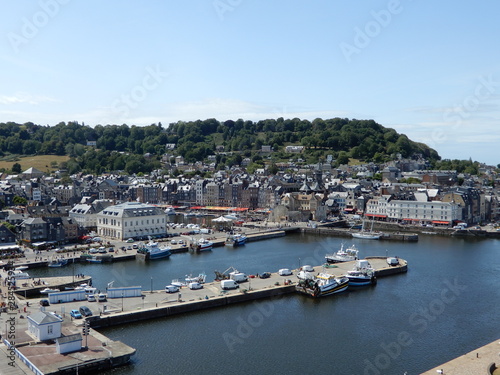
(239, 277)
(228, 284)
(171, 288)
(195, 285)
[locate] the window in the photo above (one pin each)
(49, 329)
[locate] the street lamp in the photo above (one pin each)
(122, 301)
(151, 285)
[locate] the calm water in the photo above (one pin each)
(443, 307)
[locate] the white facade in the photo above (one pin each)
(69, 344)
(84, 215)
(425, 212)
(131, 220)
(44, 325)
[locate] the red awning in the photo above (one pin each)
(440, 222)
(375, 215)
(412, 219)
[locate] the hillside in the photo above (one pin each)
(123, 147)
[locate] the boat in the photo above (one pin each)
(21, 268)
(236, 240)
(94, 259)
(322, 285)
(367, 235)
(19, 274)
(152, 251)
(196, 279)
(58, 262)
(49, 290)
(202, 245)
(362, 274)
(343, 255)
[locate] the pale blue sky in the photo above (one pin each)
(430, 70)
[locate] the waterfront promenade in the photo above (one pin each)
(479, 361)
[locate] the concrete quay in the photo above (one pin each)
(484, 360)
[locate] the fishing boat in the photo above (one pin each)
(202, 245)
(57, 262)
(362, 274)
(343, 255)
(152, 251)
(49, 290)
(236, 240)
(94, 259)
(322, 285)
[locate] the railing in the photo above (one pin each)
(25, 360)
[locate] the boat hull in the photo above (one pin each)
(366, 236)
(362, 281)
(324, 291)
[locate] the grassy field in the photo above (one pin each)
(44, 163)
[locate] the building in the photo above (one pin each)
(131, 220)
(44, 326)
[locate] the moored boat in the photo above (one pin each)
(362, 274)
(57, 262)
(203, 245)
(236, 240)
(49, 290)
(322, 285)
(343, 255)
(152, 251)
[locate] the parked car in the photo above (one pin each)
(173, 242)
(130, 240)
(93, 251)
(44, 302)
(102, 297)
(75, 314)
(285, 272)
(264, 275)
(171, 288)
(308, 268)
(91, 298)
(111, 250)
(85, 311)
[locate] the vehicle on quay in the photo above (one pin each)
(229, 284)
(322, 285)
(153, 251)
(85, 311)
(343, 255)
(362, 274)
(265, 275)
(171, 288)
(285, 272)
(101, 297)
(195, 285)
(392, 261)
(76, 314)
(235, 240)
(91, 298)
(44, 302)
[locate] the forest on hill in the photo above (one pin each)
(123, 147)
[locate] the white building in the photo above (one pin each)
(131, 220)
(44, 325)
(432, 212)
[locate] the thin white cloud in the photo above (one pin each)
(24, 98)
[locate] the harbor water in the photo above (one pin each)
(442, 308)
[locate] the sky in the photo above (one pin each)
(430, 70)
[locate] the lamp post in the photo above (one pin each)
(151, 285)
(122, 301)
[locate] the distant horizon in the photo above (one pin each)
(428, 70)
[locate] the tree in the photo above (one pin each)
(19, 201)
(16, 168)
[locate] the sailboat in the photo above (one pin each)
(367, 235)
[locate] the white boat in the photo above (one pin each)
(57, 263)
(94, 259)
(236, 240)
(203, 245)
(21, 268)
(49, 290)
(362, 274)
(152, 251)
(19, 274)
(343, 255)
(367, 235)
(196, 279)
(322, 285)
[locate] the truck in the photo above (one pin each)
(67, 296)
(228, 284)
